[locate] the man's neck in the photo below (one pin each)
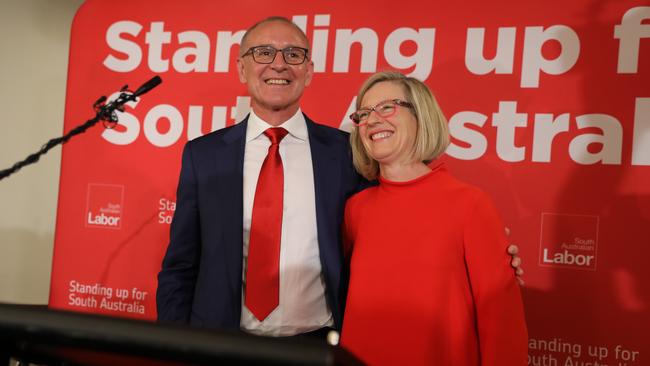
(275, 117)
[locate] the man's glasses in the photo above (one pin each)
(384, 109)
(266, 54)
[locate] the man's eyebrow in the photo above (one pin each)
(288, 46)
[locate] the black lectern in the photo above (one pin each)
(50, 337)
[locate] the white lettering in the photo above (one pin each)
(567, 258)
(225, 42)
(170, 113)
(156, 38)
(200, 53)
(533, 60)
(164, 218)
(546, 128)
(166, 205)
(629, 34)
(128, 128)
(422, 59)
(195, 116)
(319, 42)
(346, 124)
(641, 139)
(129, 48)
(477, 143)
(84, 302)
(503, 60)
(345, 38)
(586, 147)
(103, 220)
(611, 140)
(241, 109)
(506, 120)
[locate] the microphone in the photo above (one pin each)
(154, 82)
(106, 111)
(103, 112)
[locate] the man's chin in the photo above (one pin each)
(279, 106)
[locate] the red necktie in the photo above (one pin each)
(263, 268)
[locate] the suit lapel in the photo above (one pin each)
(325, 161)
(326, 173)
(230, 193)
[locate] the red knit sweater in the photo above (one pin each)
(430, 278)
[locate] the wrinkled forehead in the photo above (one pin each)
(275, 33)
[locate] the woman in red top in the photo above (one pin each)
(429, 277)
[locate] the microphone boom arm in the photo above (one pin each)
(103, 112)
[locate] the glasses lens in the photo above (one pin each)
(361, 115)
(263, 54)
(294, 56)
(386, 108)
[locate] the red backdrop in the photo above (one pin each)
(549, 109)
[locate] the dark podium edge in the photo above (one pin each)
(54, 337)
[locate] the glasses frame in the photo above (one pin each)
(398, 102)
(251, 51)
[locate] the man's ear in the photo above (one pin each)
(310, 72)
(240, 70)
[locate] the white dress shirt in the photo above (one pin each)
(302, 305)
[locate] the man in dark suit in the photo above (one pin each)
(203, 277)
(208, 277)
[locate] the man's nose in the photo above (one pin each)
(278, 61)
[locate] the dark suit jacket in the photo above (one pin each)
(201, 278)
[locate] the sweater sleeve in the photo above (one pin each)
(500, 320)
(349, 228)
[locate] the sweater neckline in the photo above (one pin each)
(435, 167)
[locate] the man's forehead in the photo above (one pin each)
(276, 32)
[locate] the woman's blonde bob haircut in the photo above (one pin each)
(432, 132)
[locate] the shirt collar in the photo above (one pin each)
(296, 126)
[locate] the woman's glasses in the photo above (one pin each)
(384, 109)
